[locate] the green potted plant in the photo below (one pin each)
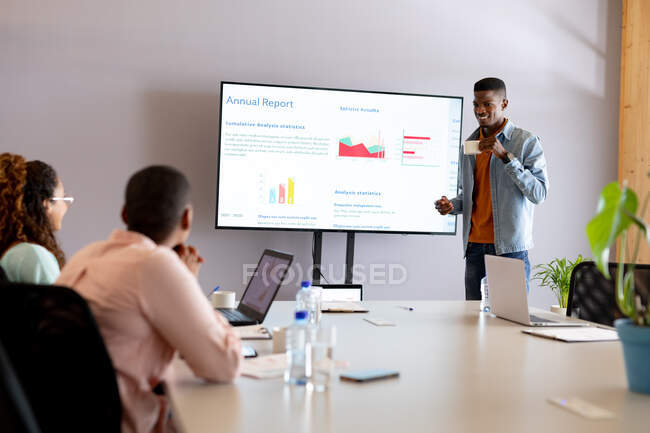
(557, 276)
(616, 214)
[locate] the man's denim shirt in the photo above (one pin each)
(515, 187)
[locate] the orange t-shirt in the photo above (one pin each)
(482, 229)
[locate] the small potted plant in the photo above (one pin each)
(557, 276)
(616, 214)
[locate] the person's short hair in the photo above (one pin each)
(156, 197)
(491, 83)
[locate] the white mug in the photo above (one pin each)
(471, 147)
(279, 339)
(223, 299)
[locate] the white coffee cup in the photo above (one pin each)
(471, 147)
(223, 299)
(279, 339)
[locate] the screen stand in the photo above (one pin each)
(317, 248)
(349, 257)
(317, 253)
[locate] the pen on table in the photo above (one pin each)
(216, 289)
(406, 308)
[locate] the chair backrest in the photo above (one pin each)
(3, 276)
(60, 359)
(15, 411)
(592, 296)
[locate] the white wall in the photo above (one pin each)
(100, 89)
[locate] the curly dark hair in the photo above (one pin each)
(23, 218)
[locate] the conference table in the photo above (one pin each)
(461, 370)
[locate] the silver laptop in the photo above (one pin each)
(508, 297)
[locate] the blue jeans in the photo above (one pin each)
(475, 267)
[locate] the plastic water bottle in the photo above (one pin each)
(485, 300)
(299, 361)
(315, 311)
(303, 297)
(308, 299)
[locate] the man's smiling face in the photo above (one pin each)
(489, 108)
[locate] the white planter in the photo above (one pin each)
(558, 310)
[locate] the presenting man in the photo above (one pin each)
(500, 185)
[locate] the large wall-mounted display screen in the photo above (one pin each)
(296, 158)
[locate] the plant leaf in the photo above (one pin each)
(610, 221)
(557, 276)
(639, 222)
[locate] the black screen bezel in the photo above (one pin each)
(314, 229)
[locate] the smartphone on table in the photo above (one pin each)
(369, 375)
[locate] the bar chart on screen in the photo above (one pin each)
(278, 191)
(420, 149)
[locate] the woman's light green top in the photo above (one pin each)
(30, 263)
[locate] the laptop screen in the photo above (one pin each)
(266, 280)
(340, 292)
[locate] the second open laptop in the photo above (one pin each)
(507, 292)
(261, 289)
(342, 298)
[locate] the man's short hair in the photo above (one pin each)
(491, 83)
(156, 197)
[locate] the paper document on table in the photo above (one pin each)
(582, 408)
(571, 335)
(379, 322)
(343, 307)
(252, 332)
(265, 367)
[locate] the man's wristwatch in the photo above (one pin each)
(508, 157)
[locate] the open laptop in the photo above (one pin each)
(261, 290)
(342, 298)
(508, 297)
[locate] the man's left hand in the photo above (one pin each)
(190, 256)
(492, 144)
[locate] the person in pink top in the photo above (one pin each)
(142, 288)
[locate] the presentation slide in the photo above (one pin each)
(320, 159)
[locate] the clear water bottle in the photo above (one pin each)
(299, 361)
(485, 300)
(302, 297)
(315, 312)
(308, 299)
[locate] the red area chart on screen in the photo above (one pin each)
(361, 150)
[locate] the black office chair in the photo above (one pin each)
(592, 296)
(15, 411)
(3, 276)
(60, 359)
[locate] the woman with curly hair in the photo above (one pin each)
(32, 206)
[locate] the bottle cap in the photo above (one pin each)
(305, 284)
(301, 315)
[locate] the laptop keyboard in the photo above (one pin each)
(536, 319)
(234, 315)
